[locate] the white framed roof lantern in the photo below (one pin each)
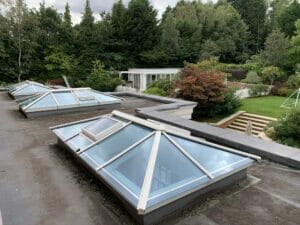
(59, 101)
(27, 88)
(150, 166)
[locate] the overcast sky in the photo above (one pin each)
(98, 6)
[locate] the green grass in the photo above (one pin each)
(264, 106)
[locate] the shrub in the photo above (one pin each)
(155, 91)
(165, 85)
(208, 89)
(259, 90)
(287, 129)
(209, 64)
(252, 78)
(272, 73)
(284, 91)
(101, 80)
(294, 81)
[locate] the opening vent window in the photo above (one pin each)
(101, 128)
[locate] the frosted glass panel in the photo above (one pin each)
(45, 102)
(116, 143)
(65, 98)
(130, 168)
(212, 159)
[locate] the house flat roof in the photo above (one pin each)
(41, 184)
(153, 70)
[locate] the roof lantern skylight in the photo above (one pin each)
(27, 88)
(59, 101)
(150, 166)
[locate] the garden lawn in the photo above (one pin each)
(265, 106)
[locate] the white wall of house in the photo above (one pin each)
(139, 79)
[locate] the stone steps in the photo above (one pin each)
(258, 123)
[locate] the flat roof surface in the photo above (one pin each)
(153, 70)
(42, 184)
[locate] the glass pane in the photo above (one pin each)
(116, 143)
(84, 95)
(27, 101)
(173, 173)
(130, 169)
(105, 98)
(212, 159)
(40, 88)
(26, 90)
(65, 98)
(69, 131)
(45, 102)
(80, 141)
(100, 125)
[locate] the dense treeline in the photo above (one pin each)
(43, 44)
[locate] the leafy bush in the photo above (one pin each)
(2, 84)
(259, 90)
(252, 78)
(272, 73)
(287, 130)
(101, 80)
(165, 85)
(208, 89)
(294, 81)
(155, 91)
(284, 91)
(212, 64)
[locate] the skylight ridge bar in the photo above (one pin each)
(125, 151)
(75, 96)
(139, 120)
(145, 190)
(221, 147)
(53, 96)
(108, 135)
(186, 154)
(35, 101)
(22, 87)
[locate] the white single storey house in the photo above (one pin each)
(137, 80)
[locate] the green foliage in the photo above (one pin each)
(142, 31)
(276, 49)
(209, 50)
(284, 91)
(101, 80)
(165, 85)
(294, 52)
(288, 18)
(259, 90)
(294, 81)
(252, 78)
(254, 14)
(272, 73)
(58, 63)
(212, 64)
(155, 91)
(287, 129)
